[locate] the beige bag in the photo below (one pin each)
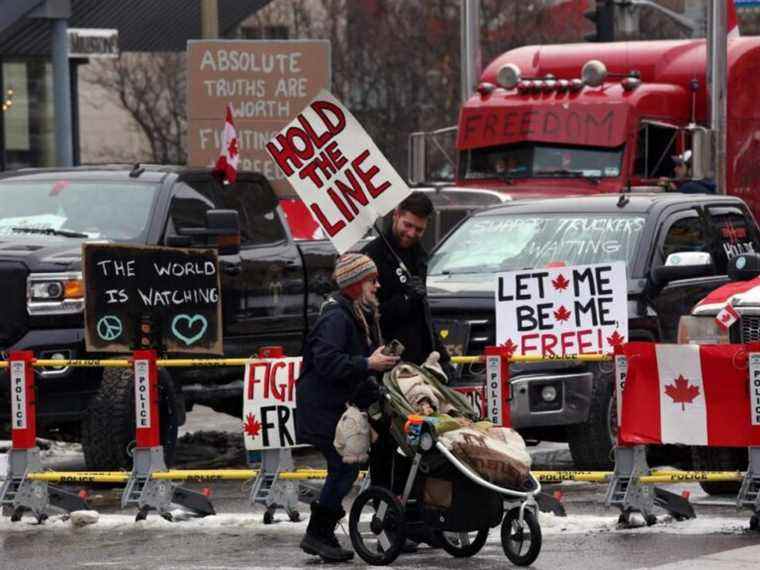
(352, 436)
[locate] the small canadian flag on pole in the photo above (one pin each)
(227, 164)
(727, 316)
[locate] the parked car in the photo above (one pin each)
(271, 290)
(676, 248)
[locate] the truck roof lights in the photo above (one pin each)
(550, 85)
(563, 85)
(593, 73)
(630, 83)
(508, 76)
(523, 86)
(485, 88)
(576, 85)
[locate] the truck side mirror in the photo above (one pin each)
(684, 265)
(222, 230)
(417, 158)
(744, 267)
(702, 150)
(225, 226)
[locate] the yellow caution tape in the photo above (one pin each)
(211, 362)
(200, 475)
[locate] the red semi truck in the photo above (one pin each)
(560, 120)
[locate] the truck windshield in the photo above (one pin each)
(75, 208)
(533, 160)
(488, 244)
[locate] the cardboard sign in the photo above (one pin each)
(563, 312)
(269, 403)
(175, 292)
(265, 81)
(337, 170)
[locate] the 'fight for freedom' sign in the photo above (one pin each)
(337, 170)
(562, 311)
(269, 403)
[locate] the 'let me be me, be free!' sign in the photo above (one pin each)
(563, 311)
(337, 170)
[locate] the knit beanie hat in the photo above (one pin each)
(351, 270)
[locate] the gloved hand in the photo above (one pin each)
(366, 393)
(450, 370)
(416, 287)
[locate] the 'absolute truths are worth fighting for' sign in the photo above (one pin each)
(562, 311)
(337, 170)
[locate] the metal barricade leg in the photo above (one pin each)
(142, 490)
(749, 492)
(19, 494)
(271, 491)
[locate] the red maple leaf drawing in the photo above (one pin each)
(252, 426)
(509, 346)
(615, 339)
(681, 392)
(560, 283)
(232, 148)
(562, 314)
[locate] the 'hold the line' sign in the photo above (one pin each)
(151, 297)
(564, 311)
(337, 170)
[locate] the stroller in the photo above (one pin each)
(442, 494)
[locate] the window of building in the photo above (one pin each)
(265, 32)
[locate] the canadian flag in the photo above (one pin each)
(727, 316)
(687, 394)
(227, 163)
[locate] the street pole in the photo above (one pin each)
(717, 77)
(209, 19)
(62, 90)
(470, 46)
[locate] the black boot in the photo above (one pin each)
(320, 537)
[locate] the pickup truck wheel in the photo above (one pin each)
(591, 442)
(719, 459)
(108, 430)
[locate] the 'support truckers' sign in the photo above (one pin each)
(337, 170)
(562, 311)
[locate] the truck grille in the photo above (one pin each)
(750, 329)
(13, 316)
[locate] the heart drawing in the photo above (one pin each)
(189, 329)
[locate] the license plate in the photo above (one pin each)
(454, 336)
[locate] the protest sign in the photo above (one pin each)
(269, 403)
(562, 312)
(337, 170)
(265, 82)
(151, 297)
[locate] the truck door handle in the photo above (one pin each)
(232, 268)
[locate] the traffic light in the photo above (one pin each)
(603, 16)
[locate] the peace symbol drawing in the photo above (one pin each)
(110, 328)
(189, 329)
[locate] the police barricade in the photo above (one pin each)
(706, 395)
(150, 487)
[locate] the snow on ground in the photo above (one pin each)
(89, 521)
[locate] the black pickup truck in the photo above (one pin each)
(271, 290)
(676, 248)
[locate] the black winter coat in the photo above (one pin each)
(334, 366)
(402, 316)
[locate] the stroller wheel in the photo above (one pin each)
(376, 526)
(462, 544)
(521, 541)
